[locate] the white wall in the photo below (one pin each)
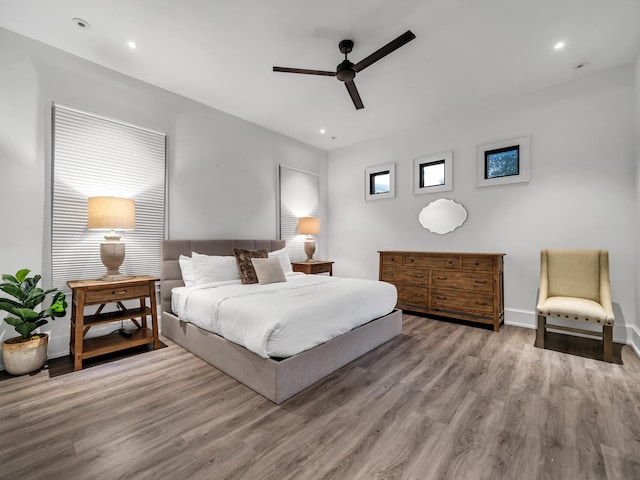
(222, 170)
(581, 193)
(636, 103)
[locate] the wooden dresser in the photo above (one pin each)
(466, 286)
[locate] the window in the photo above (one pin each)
(379, 182)
(433, 173)
(502, 162)
(299, 196)
(97, 156)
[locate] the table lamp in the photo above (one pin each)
(111, 213)
(309, 226)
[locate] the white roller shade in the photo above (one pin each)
(95, 156)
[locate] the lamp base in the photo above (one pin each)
(309, 249)
(112, 255)
(114, 278)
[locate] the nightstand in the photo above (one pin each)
(99, 292)
(318, 266)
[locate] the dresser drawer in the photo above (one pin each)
(115, 293)
(432, 261)
(484, 264)
(459, 301)
(474, 282)
(414, 276)
(413, 295)
(392, 259)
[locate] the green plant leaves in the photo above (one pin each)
(22, 274)
(28, 296)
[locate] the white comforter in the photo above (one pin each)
(283, 319)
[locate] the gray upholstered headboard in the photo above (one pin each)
(171, 250)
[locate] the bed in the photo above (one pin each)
(275, 379)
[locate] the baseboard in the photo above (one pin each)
(635, 338)
(520, 318)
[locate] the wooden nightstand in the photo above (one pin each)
(99, 292)
(319, 266)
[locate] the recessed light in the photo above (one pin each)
(559, 46)
(323, 131)
(132, 45)
(80, 23)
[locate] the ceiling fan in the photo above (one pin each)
(346, 70)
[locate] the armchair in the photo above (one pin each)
(574, 285)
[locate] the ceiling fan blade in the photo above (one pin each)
(406, 37)
(353, 93)
(303, 70)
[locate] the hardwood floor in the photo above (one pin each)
(441, 401)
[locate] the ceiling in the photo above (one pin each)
(467, 53)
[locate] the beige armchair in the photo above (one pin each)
(574, 285)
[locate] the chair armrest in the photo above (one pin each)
(543, 294)
(605, 284)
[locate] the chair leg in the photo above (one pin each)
(607, 340)
(542, 326)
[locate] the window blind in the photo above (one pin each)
(97, 156)
(299, 197)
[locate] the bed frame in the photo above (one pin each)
(276, 380)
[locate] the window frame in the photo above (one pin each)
(418, 162)
(370, 174)
(524, 166)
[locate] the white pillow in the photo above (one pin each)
(268, 270)
(285, 261)
(212, 268)
(188, 273)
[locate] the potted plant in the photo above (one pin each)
(28, 352)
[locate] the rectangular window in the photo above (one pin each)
(432, 174)
(380, 182)
(96, 156)
(298, 196)
(502, 162)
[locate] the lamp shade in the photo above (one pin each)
(308, 225)
(111, 213)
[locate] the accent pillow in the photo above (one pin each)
(245, 267)
(268, 270)
(285, 261)
(211, 268)
(186, 268)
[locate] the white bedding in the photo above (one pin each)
(283, 319)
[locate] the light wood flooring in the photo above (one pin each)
(441, 401)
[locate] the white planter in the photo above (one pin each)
(25, 357)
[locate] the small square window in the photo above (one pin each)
(379, 182)
(502, 163)
(433, 173)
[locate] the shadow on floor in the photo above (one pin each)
(63, 365)
(580, 346)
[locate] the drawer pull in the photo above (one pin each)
(121, 292)
(441, 298)
(482, 282)
(418, 276)
(441, 278)
(481, 303)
